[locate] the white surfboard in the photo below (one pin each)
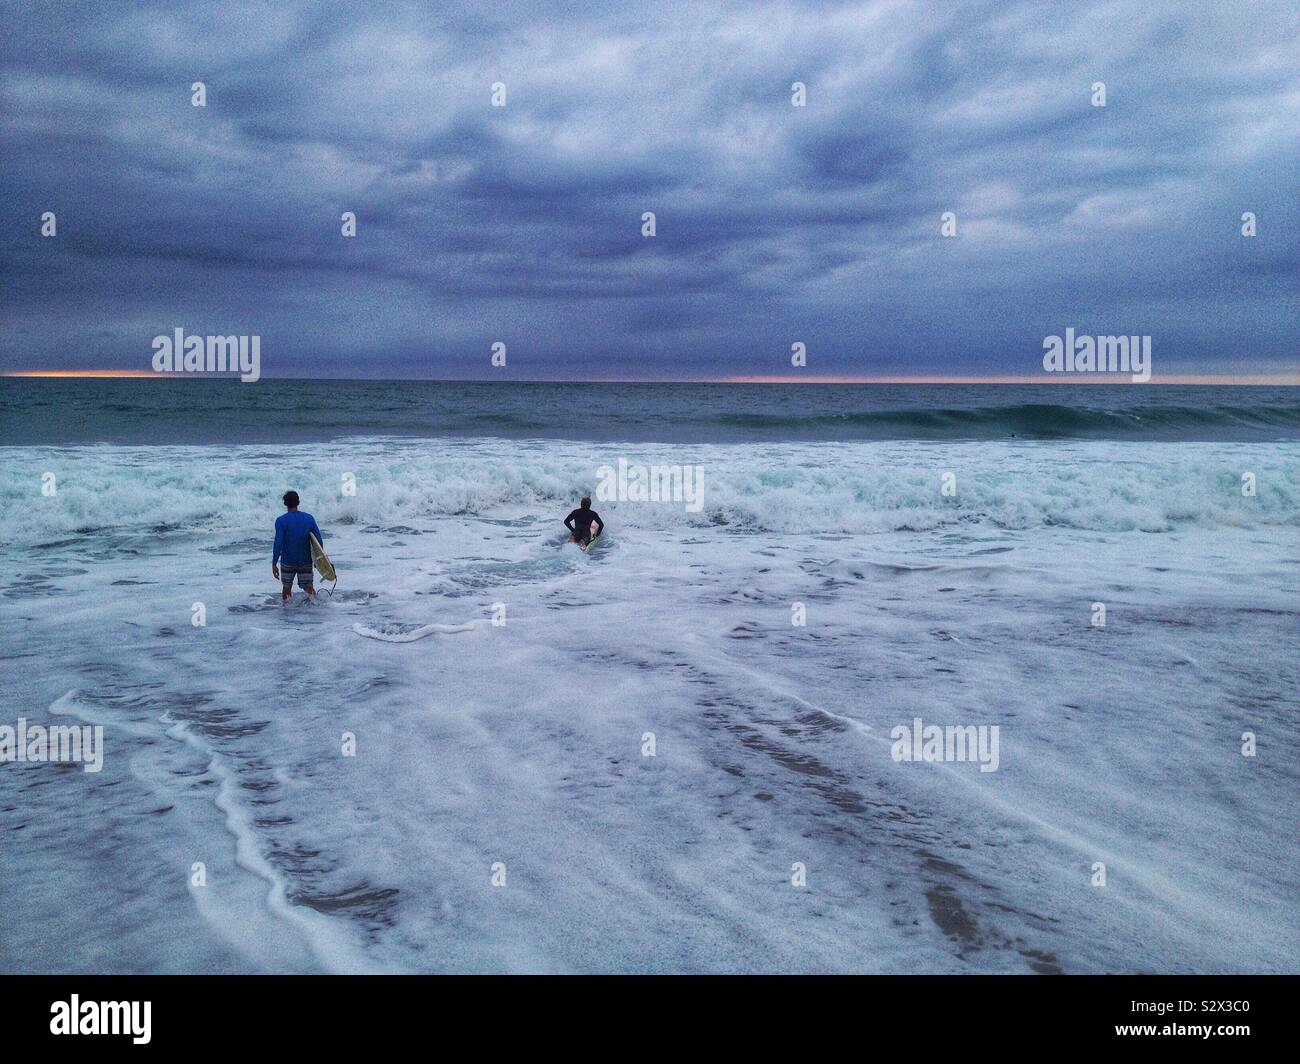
(321, 560)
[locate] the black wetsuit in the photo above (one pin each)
(579, 523)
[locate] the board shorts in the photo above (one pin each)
(305, 574)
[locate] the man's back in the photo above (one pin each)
(291, 544)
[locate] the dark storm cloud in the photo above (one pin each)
(775, 223)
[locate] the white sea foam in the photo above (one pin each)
(523, 744)
(403, 634)
(809, 487)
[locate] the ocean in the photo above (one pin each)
(487, 751)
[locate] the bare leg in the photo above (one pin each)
(285, 592)
(310, 590)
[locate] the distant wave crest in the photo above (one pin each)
(1031, 420)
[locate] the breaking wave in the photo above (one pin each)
(787, 488)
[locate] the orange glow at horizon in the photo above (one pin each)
(86, 373)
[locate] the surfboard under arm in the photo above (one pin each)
(321, 560)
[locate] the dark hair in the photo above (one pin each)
(586, 501)
(291, 499)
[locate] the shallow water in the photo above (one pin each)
(521, 745)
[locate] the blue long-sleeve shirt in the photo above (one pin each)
(291, 545)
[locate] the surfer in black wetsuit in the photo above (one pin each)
(579, 523)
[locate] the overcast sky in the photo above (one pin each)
(775, 223)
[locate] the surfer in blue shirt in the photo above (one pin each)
(292, 556)
(579, 523)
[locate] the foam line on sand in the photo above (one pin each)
(413, 634)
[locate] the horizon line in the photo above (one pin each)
(1207, 379)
